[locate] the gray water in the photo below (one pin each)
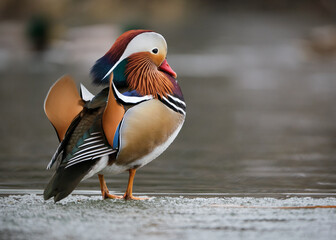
(260, 120)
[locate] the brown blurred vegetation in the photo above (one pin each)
(77, 12)
(182, 17)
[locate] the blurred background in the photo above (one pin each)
(259, 79)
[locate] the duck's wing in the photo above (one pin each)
(87, 146)
(113, 114)
(83, 152)
(59, 154)
(90, 155)
(90, 147)
(62, 104)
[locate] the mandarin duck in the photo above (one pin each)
(125, 126)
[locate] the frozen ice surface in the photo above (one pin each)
(88, 217)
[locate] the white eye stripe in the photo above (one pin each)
(143, 42)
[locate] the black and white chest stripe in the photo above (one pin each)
(170, 101)
(174, 103)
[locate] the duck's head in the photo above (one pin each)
(137, 60)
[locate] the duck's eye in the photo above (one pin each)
(155, 50)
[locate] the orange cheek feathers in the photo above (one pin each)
(158, 58)
(143, 75)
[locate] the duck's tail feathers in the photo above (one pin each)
(65, 180)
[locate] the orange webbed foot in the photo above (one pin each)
(104, 190)
(107, 195)
(128, 194)
(131, 197)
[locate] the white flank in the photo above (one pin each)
(100, 165)
(115, 169)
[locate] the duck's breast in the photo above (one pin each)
(146, 131)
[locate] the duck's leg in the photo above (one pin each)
(104, 189)
(128, 194)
